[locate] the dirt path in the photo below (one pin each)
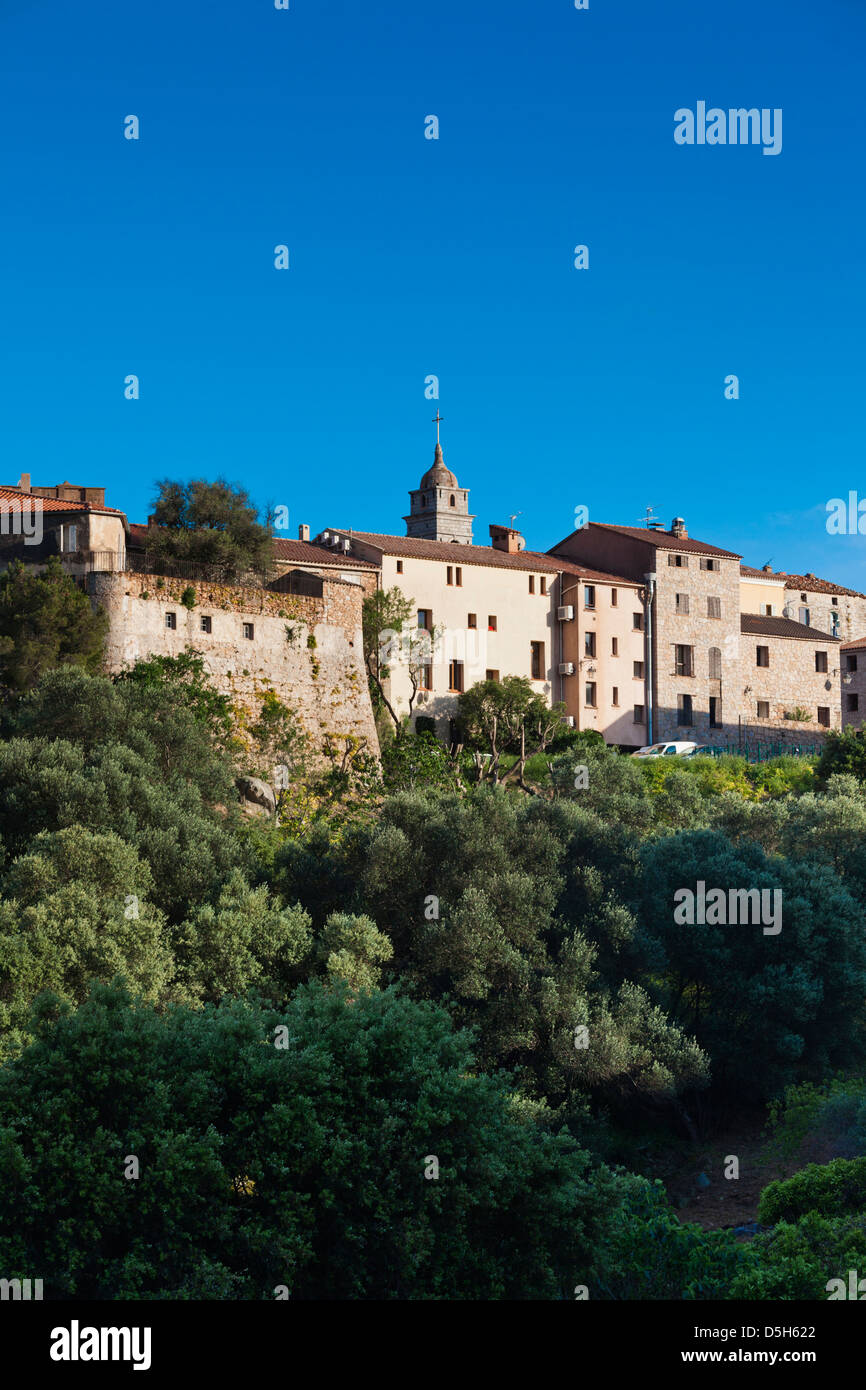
(726, 1201)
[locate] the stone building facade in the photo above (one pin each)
(306, 649)
(853, 659)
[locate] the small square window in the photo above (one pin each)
(589, 595)
(763, 709)
(532, 583)
(491, 675)
(171, 620)
(455, 676)
(852, 702)
(824, 716)
(206, 625)
(614, 598)
(472, 620)
(458, 577)
(639, 716)
(399, 566)
(491, 622)
(249, 631)
(615, 696)
(449, 574)
(543, 583)
(590, 694)
(762, 656)
(714, 607)
(614, 646)
(821, 662)
(637, 671)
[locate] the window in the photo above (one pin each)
(458, 577)
(684, 661)
(821, 662)
(171, 620)
(762, 656)
(249, 631)
(682, 604)
(399, 566)
(714, 607)
(638, 622)
(852, 702)
(804, 616)
(491, 622)
(425, 676)
(763, 709)
(491, 675)
(614, 699)
(638, 671)
(803, 598)
(532, 583)
(543, 583)
(71, 538)
(768, 610)
(537, 667)
(684, 710)
(708, 564)
(614, 598)
(207, 625)
(679, 562)
(425, 619)
(452, 503)
(589, 595)
(715, 712)
(472, 620)
(850, 662)
(639, 715)
(455, 675)
(449, 574)
(614, 646)
(589, 644)
(590, 694)
(715, 663)
(824, 716)
(834, 624)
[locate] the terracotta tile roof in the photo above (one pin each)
(303, 552)
(811, 582)
(761, 626)
(856, 645)
(412, 547)
(665, 541)
(54, 504)
(749, 572)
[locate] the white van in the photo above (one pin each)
(664, 750)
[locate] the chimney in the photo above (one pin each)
(767, 569)
(24, 482)
(303, 532)
(503, 538)
(678, 528)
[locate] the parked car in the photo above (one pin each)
(665, 750)
(702, 750)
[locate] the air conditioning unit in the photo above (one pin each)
(565, 614)
(569, 720)
(566, 668)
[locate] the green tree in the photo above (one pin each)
(496, 715)
(282, 1148)
(186, 674)
(75, 909)
(392, 637)
(208, 523)
(46, 620)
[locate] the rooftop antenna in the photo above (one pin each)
(513, 518)
(650, 521)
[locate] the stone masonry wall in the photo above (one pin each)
(308, 651)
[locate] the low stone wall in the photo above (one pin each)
(308, 651)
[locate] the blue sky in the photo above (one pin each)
(411, 257)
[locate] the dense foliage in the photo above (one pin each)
(484, 994)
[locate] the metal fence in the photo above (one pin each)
(761, 750)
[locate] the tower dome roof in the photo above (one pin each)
(439, 475)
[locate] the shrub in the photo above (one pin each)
(830, 1189)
